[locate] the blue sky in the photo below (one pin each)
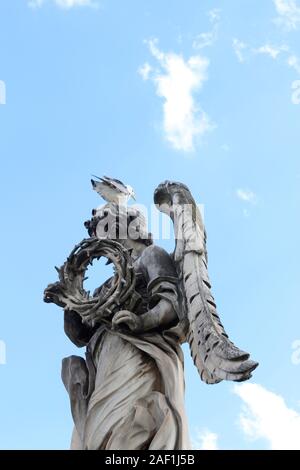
(204, 92)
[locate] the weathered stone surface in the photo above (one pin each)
(129, 391)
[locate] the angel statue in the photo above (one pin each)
(128, 392)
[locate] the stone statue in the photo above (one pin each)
(128, 393)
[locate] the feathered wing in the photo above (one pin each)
(115, 184)
(110, 189)
(104, 190)
(214, 355)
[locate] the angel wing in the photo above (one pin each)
(214, 355)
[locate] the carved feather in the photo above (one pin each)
(214, 355)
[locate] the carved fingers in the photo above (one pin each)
(127, 318)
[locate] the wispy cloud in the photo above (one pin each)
(205, 39)
(65, 4)
(265, 415)
(209, 38)
(246, 195)
(214, 15)
(294, 62)
(2, 352)
(239, 48)
(2, 92)
(296, 93)
(288, 14)
(145, 71)
(296, 352)
(177, 80)
(205, 440)
(243, 50)
(270, 50)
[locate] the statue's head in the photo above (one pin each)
(119, 223)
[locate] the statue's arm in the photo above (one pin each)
(161, 316)
(78, 332)
(159, 271)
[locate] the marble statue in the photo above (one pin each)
(128, 392)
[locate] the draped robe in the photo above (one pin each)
(129, 392)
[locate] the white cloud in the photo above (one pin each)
(296, 95)
(145, 71)
(65, 4)
(205, 39)
(288, 14)
(209, 38)
(294, 62)
(176, 80)
(266, 416)
(246, 195)
(2, 92)
(239, 48)
(272, 51)
(296, 354)
(205, 440)
(214, 15)
(2, 352)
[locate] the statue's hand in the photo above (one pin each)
(131, 320)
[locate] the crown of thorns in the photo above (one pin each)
(69, 291)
